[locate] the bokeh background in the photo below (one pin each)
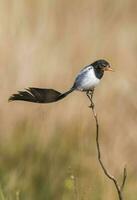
(45, 148)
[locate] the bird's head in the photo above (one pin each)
(100, 66)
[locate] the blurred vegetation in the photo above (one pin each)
(44, 148)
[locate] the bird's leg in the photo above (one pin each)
(90, 96)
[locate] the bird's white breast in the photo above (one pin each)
(86, 79)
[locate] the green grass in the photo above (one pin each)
(31, 170)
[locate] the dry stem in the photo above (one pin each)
(119, 188)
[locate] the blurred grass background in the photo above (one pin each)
(44, 44)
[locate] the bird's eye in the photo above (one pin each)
(104, 65)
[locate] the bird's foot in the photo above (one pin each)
(90, 96)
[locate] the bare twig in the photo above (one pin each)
(119, 188)
(124, 179)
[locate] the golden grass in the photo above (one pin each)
(44, 44)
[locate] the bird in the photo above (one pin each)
(86, 81)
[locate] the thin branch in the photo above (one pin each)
(119, 188)
(124, 179)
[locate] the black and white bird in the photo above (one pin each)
(85, 81)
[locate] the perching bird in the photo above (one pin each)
(85, 81)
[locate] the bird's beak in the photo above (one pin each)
(108, 68)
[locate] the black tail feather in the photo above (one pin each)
(38, 95)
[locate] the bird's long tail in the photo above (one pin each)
(39, 95)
